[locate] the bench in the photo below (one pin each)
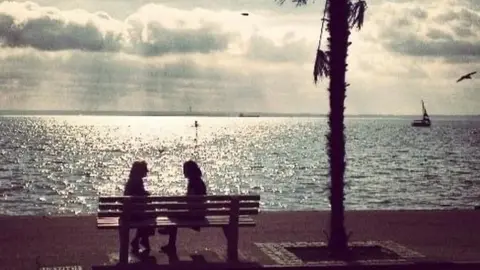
(223, 211)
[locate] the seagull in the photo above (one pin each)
(467, 76)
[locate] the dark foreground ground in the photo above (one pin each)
(34, 242)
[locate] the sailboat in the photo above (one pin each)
(425, 122)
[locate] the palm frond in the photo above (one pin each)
(324, 18)
(321, 67)
(300, 2)
(297, 2)
(357, 14)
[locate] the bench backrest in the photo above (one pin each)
(178, 206)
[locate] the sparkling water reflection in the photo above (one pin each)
(61, 164)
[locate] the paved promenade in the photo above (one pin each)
(33, 242)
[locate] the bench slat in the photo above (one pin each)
(178, 225)
(107, 199)
(178, 213)
(224, 220)
(115, 220)
(113, 223)
(175, 205)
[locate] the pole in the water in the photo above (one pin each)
(196, 140)
(196, 131)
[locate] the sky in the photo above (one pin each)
(170, 55)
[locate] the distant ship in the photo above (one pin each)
(248, 115)
(425, 122)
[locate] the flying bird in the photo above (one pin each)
(467, 76)
(245, 14)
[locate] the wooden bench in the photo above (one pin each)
(222, 211)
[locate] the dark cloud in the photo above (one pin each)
(402, 22)
(451, 35)
(435, 33)
(445, 17)
(438, 48)
(51, 34)
(450, 50)
(469, 18)
(144, 32)
(418, 13)
(29, 25)
(204, 40)
(463, 32)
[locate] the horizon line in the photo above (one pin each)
(203, 113)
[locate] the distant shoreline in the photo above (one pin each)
(204, 114)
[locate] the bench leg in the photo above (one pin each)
(231, 233)
(124, 234)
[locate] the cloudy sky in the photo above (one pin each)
(169, 55)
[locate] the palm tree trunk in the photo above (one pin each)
(338, 43)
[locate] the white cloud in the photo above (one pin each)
(152, 30)
(442, 29)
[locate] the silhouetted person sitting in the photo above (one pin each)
(135, 187)
(195, 186)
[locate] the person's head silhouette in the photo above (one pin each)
(191, 170)
(139, 170)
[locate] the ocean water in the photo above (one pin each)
(52, 165)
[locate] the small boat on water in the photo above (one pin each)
(425, 122)
(248, 115)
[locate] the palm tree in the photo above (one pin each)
(341, 16)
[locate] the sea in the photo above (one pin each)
(59, 165)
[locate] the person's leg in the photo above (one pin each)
(172, 240)
(134, 243)
(145, 241)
